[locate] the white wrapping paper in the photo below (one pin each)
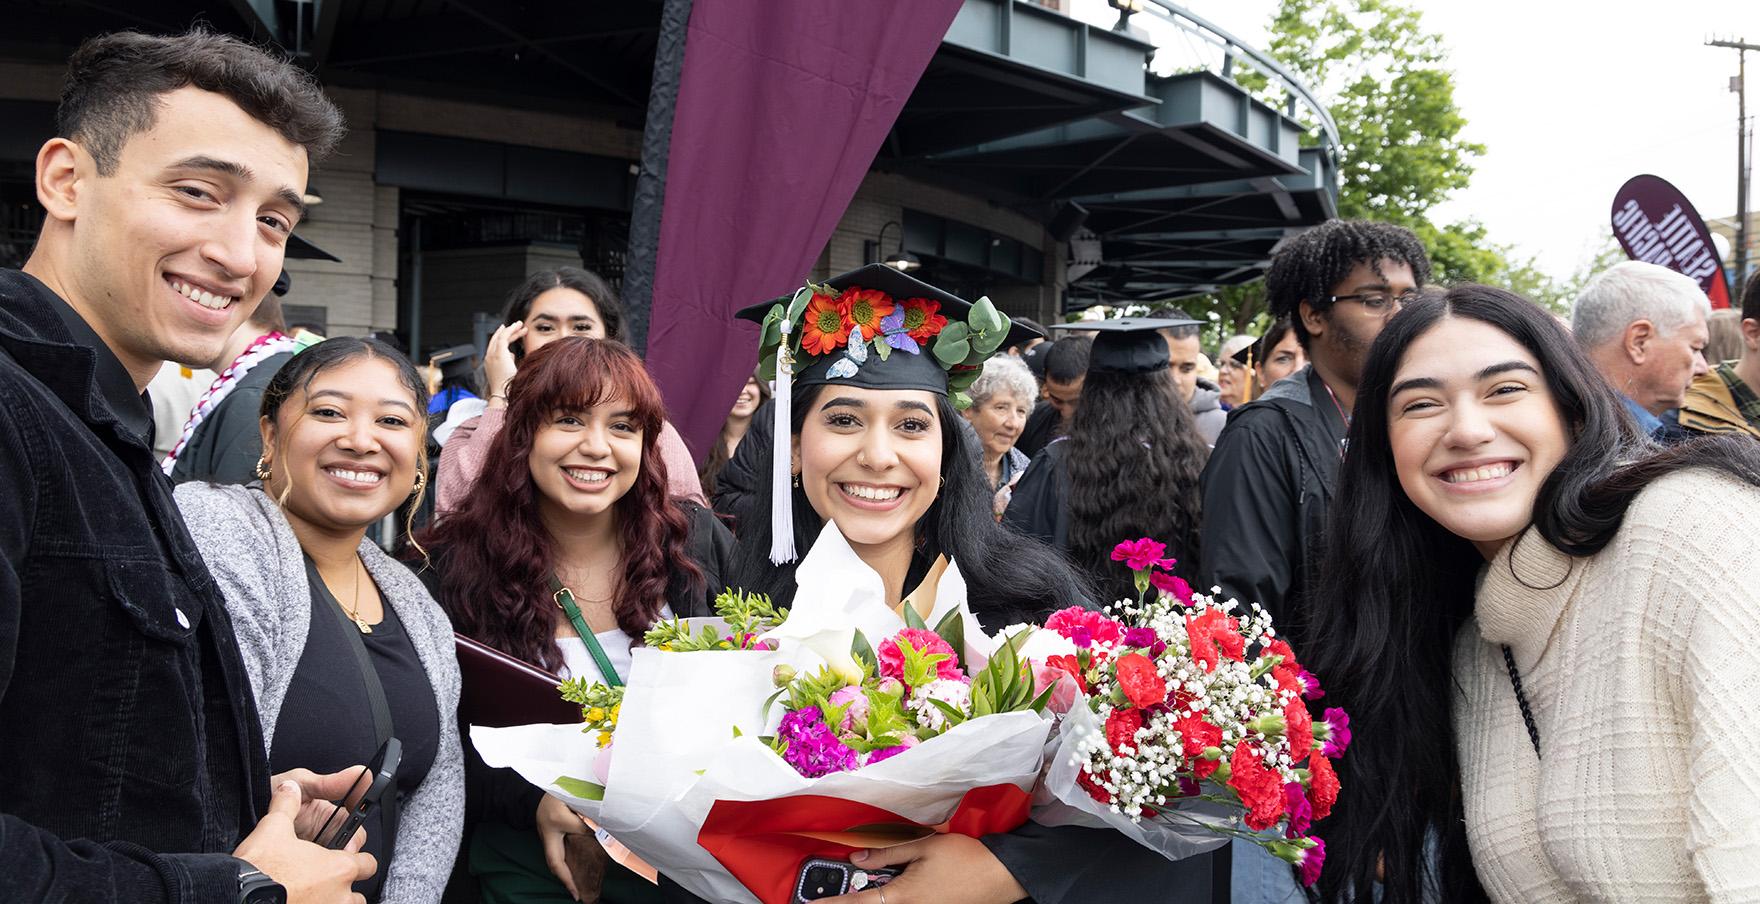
(1059, 801)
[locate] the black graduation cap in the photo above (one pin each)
(916, 352)
(283, 284)
(1127, 345)
(455, 361)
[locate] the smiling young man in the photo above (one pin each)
(126, 720)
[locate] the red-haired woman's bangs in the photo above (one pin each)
(577, 373)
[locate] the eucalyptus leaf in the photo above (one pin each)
(988, 341)
(952, 351)
(984, 316)
(954, 332)
(912, 619)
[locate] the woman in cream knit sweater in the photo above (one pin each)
(1539, 631)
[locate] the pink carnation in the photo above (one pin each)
(927, 642)
(1076, 622)
(1142, 554)
(1173, 585)
(1313, 860)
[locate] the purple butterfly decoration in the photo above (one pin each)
(893, 331)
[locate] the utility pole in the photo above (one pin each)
(1739, 85)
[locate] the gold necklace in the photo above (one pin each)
(354, 613)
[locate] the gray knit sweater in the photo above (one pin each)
(254, 555)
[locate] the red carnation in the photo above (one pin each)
(1141, 683)
(1287, 679)
(1260, 789)
(1121, 730)
(1281, 648)
(1322, 785)
(1093, 787)
(1300, 727)
(1214, 635)
(1196, 734)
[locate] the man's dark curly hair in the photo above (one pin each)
(1309, 265)
(114, 82)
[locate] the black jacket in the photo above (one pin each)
(227, 444)
(1266, 491)
(127, 725)
(736, 487)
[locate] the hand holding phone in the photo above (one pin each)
(821, 878)
(364, 799)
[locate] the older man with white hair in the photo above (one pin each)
(1644, 327)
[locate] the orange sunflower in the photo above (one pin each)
(825, 328)
(866, 307)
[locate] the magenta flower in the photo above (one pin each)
(813, 750)
(1312, 860)
(1338, 732)
(1141, 638)
(1311, 689)
(1099, 628)
(1172, 584)
(1296, 806)
(1142, 554)
(886, 753)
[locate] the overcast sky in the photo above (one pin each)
(1571, 99)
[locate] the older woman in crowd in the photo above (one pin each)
(1002, 398)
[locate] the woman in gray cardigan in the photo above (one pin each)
(343, 429)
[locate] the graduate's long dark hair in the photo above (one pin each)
(1009, 577)
(1397, 586)
(1135, 455)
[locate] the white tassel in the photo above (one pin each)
(782, 549)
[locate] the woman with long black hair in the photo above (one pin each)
(875, 448)
(1513, 571)
(1135, 453)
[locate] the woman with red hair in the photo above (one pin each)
(571, 505)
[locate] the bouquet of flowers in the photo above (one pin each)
(1195, 727)
(770, 737)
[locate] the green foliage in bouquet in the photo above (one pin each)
(747, 615)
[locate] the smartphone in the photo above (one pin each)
(821, 878)
(362, 800)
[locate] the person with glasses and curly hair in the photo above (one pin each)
(1274, 470)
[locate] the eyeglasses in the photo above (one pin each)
(1379, 301)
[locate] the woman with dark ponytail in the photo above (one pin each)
(1514, 572)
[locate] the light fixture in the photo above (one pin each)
(311, 195)
(900, 259)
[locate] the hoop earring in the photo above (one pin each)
(421, 483)
(263, 473)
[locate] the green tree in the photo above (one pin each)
(1385, 81)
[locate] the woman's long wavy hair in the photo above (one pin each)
(498, 556)
(1397, 587)
(1135, 452)
(1010, 578)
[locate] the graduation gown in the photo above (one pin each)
(1037, 508)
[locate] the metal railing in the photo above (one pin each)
(1213, 41)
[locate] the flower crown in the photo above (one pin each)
(861, 322)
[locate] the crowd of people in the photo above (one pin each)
(1496, 535)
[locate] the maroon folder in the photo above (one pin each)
(500, 690)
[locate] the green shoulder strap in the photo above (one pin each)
(565, 601)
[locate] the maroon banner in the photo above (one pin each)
(782, 105)
(1655, 223)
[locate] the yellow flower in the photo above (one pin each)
(596, 714)
(604, 739)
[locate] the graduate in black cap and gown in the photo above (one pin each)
(870, 441)
(1129, 467)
